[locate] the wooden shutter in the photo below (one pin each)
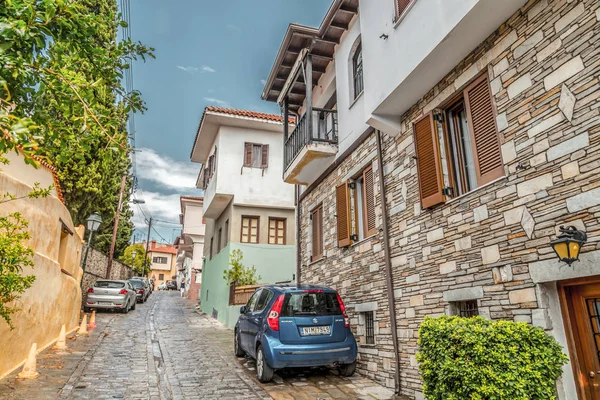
(205, 178)
(369, 202)
(247, 154)
(265, 156)
(342, 197)
(317, 233)
(211, 161)
(401, 5)
(429, 168)
(482, 128)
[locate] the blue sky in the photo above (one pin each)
(208, 52)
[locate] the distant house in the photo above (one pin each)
(190, 245)
(162, 258)
(247, 206)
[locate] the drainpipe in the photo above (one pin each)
(388, 265)
(298, 253)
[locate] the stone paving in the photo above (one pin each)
(165, 349)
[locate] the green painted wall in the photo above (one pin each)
(273, 263)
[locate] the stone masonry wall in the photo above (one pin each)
(543, 65)
(96, 266)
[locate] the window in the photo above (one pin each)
(161, 277)
(219, 239)
(316, 217)
(226, 232)
(468, 308)
(310, 304)
(402, 6)
(276, 230)
(256, 155)
(357, 70)
(249, 229)
(210, 168)
(252, 301)
(369, 327)
(263, 300)
(355, 203)
(210, 254)
(458, 149)
(65, 232)
(159, 260)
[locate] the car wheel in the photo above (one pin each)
(126, 309)
(347, 369)
(86, 309)
(237, 349)
(264, 373)
(134, 304)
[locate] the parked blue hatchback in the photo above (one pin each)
(295, 326)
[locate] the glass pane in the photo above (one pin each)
(594, 314)
(468, 158)
(272, 223)
(256, 156)
(245, 222)
(254, 222)
(245, 238)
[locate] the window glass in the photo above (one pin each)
(109, 285)
(276, 231)
(263, 300)
(369, 327)
(360, 211)
(357, 70)
(249, 230)
(305, 303)
(161, 276)
(256, 156)
(137, 284)
(252, 302)
(463, 161)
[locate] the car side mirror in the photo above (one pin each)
(243, 310)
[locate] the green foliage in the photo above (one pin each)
(473, 358)
(14, 256)
(138, 262)
(238, 274)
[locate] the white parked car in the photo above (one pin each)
(162, 286)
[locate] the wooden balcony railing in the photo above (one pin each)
(322, 130)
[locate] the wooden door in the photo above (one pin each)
(583, 302)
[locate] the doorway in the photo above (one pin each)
(581, 309)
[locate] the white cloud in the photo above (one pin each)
(220, 103)
(193, 70)
(159, 206)
(234, 28)
(164, 170)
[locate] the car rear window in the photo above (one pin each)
(109, 285)
(310, 303)
(136, 284)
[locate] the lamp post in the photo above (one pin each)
(567, 245)
(93, 223)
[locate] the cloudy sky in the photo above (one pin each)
(208, 52)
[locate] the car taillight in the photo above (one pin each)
(141, 291)
(91, 290)
(123, 291)
(273, 318)
(343, 308)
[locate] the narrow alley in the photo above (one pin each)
(165, 349)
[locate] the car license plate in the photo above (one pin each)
(104, 303)
(316, 330)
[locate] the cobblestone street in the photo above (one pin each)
(165, 349)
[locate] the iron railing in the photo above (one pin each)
(323, 130)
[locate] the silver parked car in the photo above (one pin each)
(107, 294)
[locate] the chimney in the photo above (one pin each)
(153, 244)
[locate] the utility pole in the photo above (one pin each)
(115, 227)
(147, 243)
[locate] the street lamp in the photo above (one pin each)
(93, 223)
(567, 245)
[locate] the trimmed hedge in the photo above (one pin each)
(473, 358)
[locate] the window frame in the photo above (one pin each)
(250, 217)
(400, 14)
(361, 211)
(158, 260)
(369, 330)
(276, 220)
(357, 70)
(264, 155)
(161, 277)
(219, 240)
(465, 308)
(318, 210)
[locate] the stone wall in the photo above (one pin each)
(543, 66)
(96, 266)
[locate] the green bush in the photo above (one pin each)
(473, 358)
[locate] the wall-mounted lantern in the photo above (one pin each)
(567, 245)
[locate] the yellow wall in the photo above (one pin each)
(168, 274)
(55, 297)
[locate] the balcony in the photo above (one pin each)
(311, 147)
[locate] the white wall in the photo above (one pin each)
(192, 218)
(157, 266)
(250, 186)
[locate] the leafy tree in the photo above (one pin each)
(238, 274)
(136, 262)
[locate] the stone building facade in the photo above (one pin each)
(489, 248)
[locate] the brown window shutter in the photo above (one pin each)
(317, 233)
(482, 128)
(401, 5)
(247, 154)
(369, 203)
(265, 156)
(342, 196)
(205, 178)
(429, 168)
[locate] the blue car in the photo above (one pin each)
(295, 326)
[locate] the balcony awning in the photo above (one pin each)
(321, 44)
